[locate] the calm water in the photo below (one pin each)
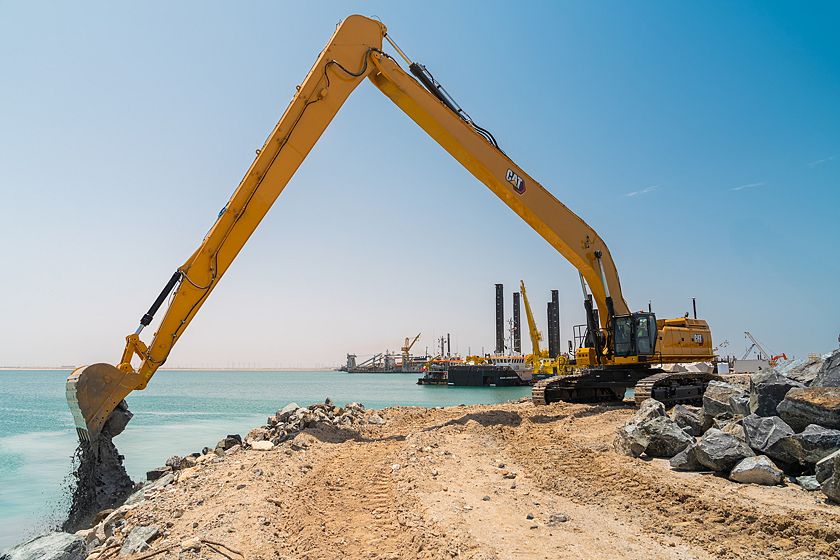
(180, 412)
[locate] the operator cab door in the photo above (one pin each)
(634, 335)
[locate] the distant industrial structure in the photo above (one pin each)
(387, 362)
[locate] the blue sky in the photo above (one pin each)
(701, 140)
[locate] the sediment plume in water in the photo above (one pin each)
(99, 479)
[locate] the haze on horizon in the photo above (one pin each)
(700, 141)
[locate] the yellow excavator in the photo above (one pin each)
(618, 347)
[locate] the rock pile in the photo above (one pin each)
(292, 418)
(110, 531)
(780, 426)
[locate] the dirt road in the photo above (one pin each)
(480, 482)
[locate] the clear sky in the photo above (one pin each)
(701, 140)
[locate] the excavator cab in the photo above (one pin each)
(634, 335)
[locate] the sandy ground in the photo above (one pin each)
(482, 482)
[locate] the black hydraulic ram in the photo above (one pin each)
(435, 88)
(150, 314)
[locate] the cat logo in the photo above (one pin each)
(697, 337)
(516, 181)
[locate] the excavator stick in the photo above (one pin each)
(93, 392)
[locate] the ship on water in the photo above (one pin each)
(508, 366)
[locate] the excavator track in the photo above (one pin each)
(610, 384)
(589, 385)
(674, 388)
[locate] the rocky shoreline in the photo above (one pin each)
(96, 527)
(487, 482)
(776, 430)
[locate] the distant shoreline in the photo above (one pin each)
(71, 368)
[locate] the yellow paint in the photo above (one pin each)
(353, 54)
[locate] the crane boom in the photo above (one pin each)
(353, 54)
(534, 333)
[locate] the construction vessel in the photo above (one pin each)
(618, 348)
(386, 362)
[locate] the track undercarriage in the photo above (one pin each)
(610, 383)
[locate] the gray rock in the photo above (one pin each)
(767, 389)
(138, 539)
(824, 468)
(831, 485)
(162, 482)
(720, 451)
(716, 398)
(157, 472)
(688, 418)
(811, 405)
(756, 470)
(817, 442)
(736, 428)
(773, 437)
(174, 462)
(722, 420)
(117, 420)
(686, 460)
(809, 483)
(229, 441)
(375, 419)
(631, 440)
(51, 546)
(740, 405)
(287, 411)
(648, 410)
(804, 370)
(556, 518)
(829, 374)
(665, 437)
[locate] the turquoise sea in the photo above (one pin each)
(179, 412)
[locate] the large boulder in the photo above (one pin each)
(771, 436)
(716, 399)
(138, 539)
(829, 374)
(804, 370)
(756, 470)
(811, 405)
(51, 546)
(824, 468)
(229, 441)
(817, 442)
(686, 460)
(651, 431)
(648, 410)
(720, 451)
(808, 483)
(689, 418)
(735, 428)
(831, 485)
(665, 437)
(631, 440)
(767, 389)
(287, 411)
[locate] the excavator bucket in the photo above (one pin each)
(93, 392)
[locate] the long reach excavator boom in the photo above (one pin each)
(353, 54)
